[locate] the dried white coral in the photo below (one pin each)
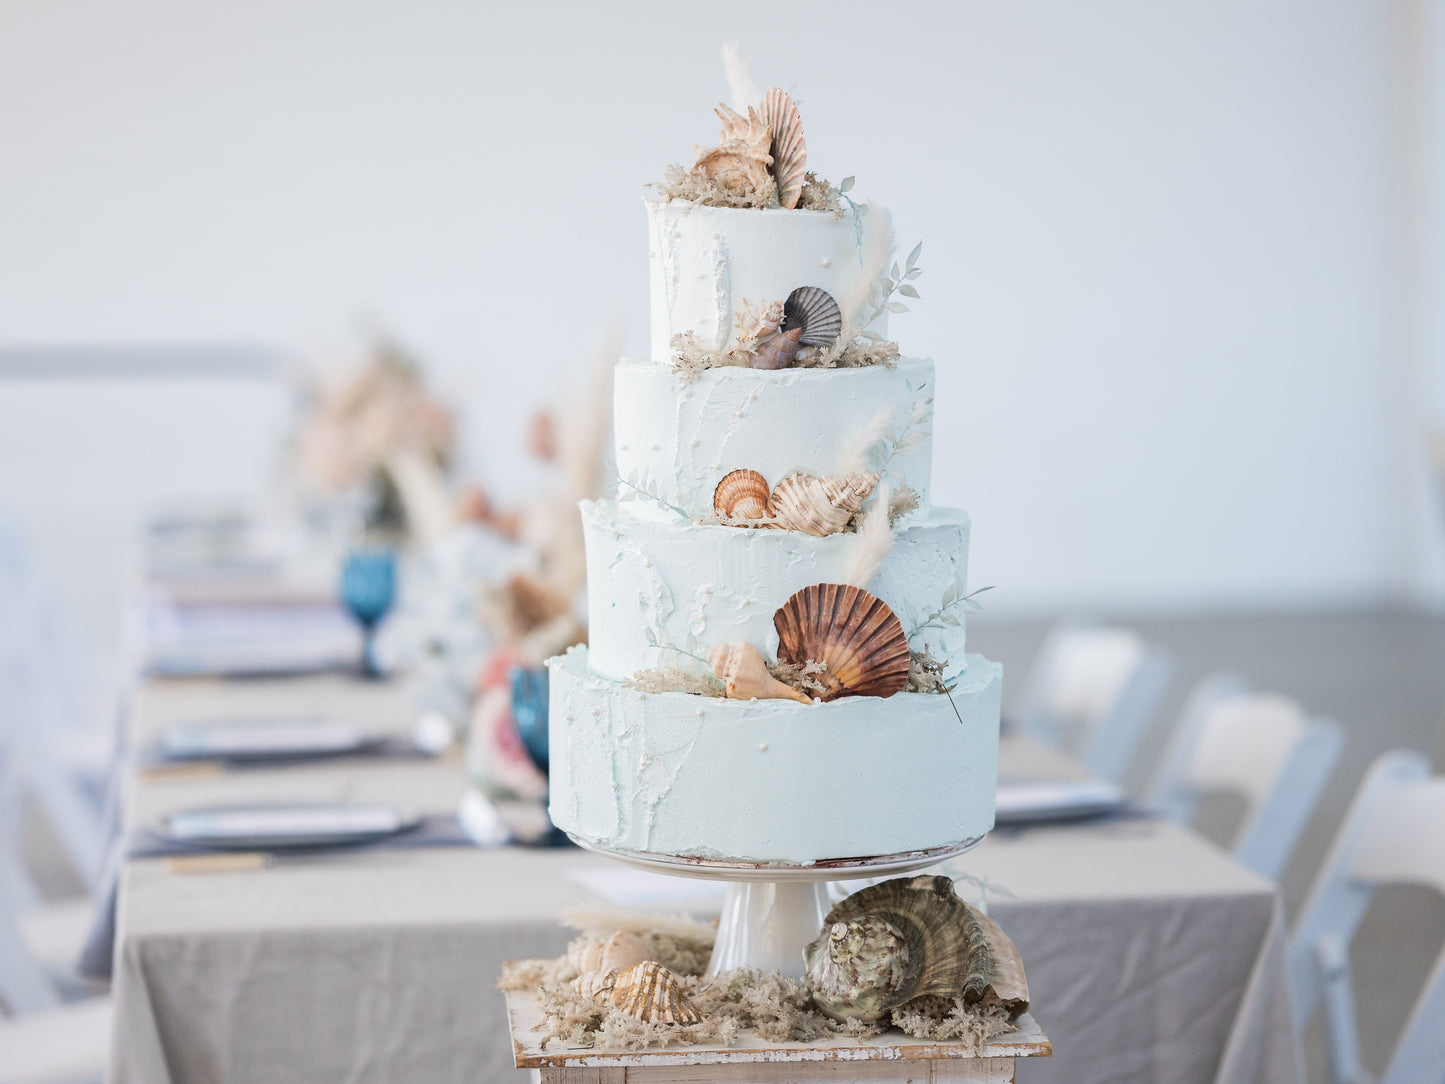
(674, 679)
(925, 673)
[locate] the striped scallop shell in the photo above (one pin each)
(852, 632)
(742, 495)
(789, 149)
(650, 991)
(814, 311)
(910, 938)
(821, 506)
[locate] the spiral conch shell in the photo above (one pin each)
(853, 633)
(743, 495)
(788, 148)
(619, 952)
(909, 938)
(740, 161)
(745, 676)
(821, 506)
(650, 991)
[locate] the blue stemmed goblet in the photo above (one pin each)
(368, 588)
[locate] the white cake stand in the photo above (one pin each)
(772, 911)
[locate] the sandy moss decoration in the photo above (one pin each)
(696, 187)
(774, 1008)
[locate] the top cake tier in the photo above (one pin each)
(707, 262)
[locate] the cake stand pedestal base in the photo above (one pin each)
(772, 910)
(765, 925)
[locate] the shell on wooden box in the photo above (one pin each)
(743, 495)
(741, 160)
(595, 983)
(650, 992)
(622, 950)
(853, 633)
(745, 675)
(821, 506)
(908, 938)
(787, 146)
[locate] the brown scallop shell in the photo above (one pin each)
(788, 148)
(743, 495)
(910, 938)
(854, 633)
(650, 991)
(821, 506)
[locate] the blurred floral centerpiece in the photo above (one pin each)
(376, 432)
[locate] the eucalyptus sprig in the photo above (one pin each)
(911, 434)
(950, 613)
(640, 484)
(899, 280)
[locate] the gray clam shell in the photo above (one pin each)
(816, 313)
(909, 938)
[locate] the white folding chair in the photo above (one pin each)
(1258, 746)
(1093, 690)
(40, 710)
(1394, 834)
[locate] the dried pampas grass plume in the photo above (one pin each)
(879, 244)
(860, 451)
(739, 74)
(873, 542)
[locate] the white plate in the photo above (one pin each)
(1032, 801)
(264, 739)
(282, 827)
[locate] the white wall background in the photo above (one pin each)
(1167, 280)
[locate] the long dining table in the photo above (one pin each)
(1151, 954)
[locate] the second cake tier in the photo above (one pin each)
(677, 436)
(664, 594)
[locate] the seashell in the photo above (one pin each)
(740, 161)
(650, 991)
(814, 311)
(745, 676)
(595, 983)
(777, 352)
(854, 633)
(758, 321)
(743, 495)
(821, 506)
(788, 148)
(909, 938)
(623, 950)
(620, 951)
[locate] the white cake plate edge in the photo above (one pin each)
(832, 869)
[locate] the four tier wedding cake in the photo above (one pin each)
(776, 671)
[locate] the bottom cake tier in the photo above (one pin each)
(771, 780)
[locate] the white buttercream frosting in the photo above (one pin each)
(681, 436)
(655, 586)
(706, 261)
(771, 780)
